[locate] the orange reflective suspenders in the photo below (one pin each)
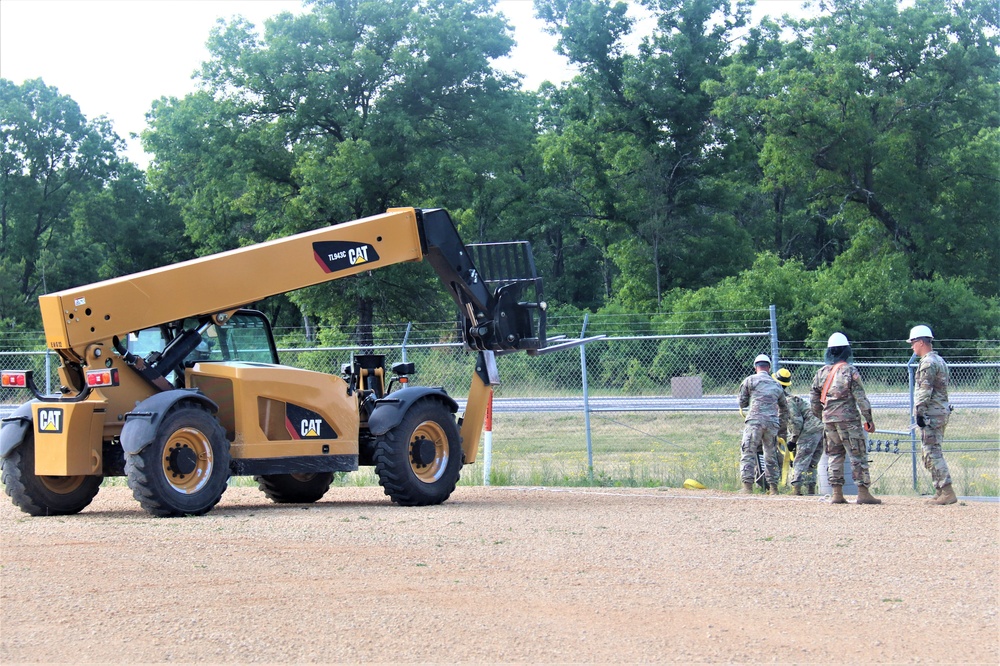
(829, 380)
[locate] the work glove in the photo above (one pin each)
(920, 421)
(869, 427)
(793, 443)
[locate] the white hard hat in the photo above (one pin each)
(762, 358)
(838, 340)
(920, 331)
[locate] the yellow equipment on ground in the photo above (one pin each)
(169, 381)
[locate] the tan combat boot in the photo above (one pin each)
(947, 496)
(747, 488)
(812, 489)
(772, 489)
(797, 490)
(933, 500)
(865, 497)
(838, 495)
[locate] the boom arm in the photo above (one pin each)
(494, 321)
(222, 282)
(219, 283)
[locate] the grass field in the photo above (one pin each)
(663, 449)
(646, 449)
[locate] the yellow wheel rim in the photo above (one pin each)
(429, 451)
(62, 485)
(188, 460)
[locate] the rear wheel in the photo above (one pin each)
(295, 488)
(44, 495)
(184, 470)
(418, 462)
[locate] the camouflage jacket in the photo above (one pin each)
(931, 396)
(801, 420)
(845, 397)
(766, 400)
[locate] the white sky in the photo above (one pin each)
(114, 57)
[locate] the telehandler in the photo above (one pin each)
(167, 379)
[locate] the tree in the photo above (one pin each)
(878, 112)
(638, 131)
(776, 216)
(69, 205)
(336, 114)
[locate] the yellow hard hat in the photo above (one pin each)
(783, 377)
(691, 484)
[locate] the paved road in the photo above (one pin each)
(713, 403)
(707, 403)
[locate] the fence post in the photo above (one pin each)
(406, 337)
(774, 337)
(586, 400)
(913, 423)
(488, 440)
(48, 372)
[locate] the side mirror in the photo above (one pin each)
(403, 368)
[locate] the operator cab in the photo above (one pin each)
(245, 336)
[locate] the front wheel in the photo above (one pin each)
(295, 488)
(418, 462)
(185, 469)
(44, 495)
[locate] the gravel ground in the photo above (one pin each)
(504, 575)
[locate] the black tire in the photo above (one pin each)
(44, 495)
(185, 469)
(295, 488)
(418, 462)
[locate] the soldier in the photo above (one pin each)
(766, 418)
(931, 409)
(806, 437)
(838, 397)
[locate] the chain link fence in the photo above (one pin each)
(653, 402)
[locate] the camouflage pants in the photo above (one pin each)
(847, 439)
(931, 436)
(755, 436)
(808, 451)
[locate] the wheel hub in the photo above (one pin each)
(182, 460)
(423, 452)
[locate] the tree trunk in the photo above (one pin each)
(656, 269)
(779, 218)
(363, 333)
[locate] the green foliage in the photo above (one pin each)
(842, 166)
(869, 294)
(630, 141)
(339, 113)
(873, 110)
(72, 211)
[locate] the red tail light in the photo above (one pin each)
(98, 378)
(14, 378)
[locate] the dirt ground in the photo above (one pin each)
(504, 575)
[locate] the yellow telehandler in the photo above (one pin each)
(168, 380)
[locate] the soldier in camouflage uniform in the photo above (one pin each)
(766, 418)
(838, 397)
(806, 437)
(931, 410)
